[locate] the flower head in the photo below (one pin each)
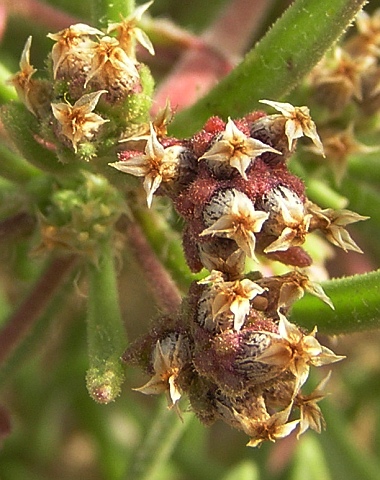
(311, 415)
(287, 219)
(298, 123)
(296, 351)
(333, 222)
(273, 428)
(110, 65)
(231, 214)
(231, 296)
(72, 49)
(157, 165)
(167, 364)
(78, 122)
(234, 148)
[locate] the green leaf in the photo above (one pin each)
(296, 42)
(357, 305)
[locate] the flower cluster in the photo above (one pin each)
(346, 83)
(89, 71)
(231, 347)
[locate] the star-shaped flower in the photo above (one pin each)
(287, 217)
(368, 40)
(333, 222)
(236, 219)
(232, 296)
(167, 364)
(22, 80)
(311, 415)
(296, 351)
(78, 122)
(156, 165)
(298, 123)
(272, 429)
(128, 31)
(295, 285)
(73, 42)
(339, 146)
(234, 148)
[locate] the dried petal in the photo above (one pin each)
(298, 123)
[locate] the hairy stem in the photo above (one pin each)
(105, 330)
(277, 64)
(165, 291)
(201, 67)
(357, 305)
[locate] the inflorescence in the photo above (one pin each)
(231, 347)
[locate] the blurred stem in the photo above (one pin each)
(30, 310)
(7, 92)
(38, 333)
(360, 463)
(15, 168)
(166, 244)
(159, 443)
(167, 295)
(357, 306)
(296, 42)
(43, 14)
(16, 226)
(104, 12)
(105, 330)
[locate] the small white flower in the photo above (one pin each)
(156, 165)
(298, 123)
(236, 149)
(236, 218)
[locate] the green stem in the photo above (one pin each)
(357, 306)
(277, 64)
(7, 92)
(13, 167)
(159, 443)
(167, 246)
(104, 12)
(105, 330)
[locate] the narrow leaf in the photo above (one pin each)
(296, 42)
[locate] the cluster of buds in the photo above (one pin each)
(231, 347)
(347, 80)
(89, 72)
